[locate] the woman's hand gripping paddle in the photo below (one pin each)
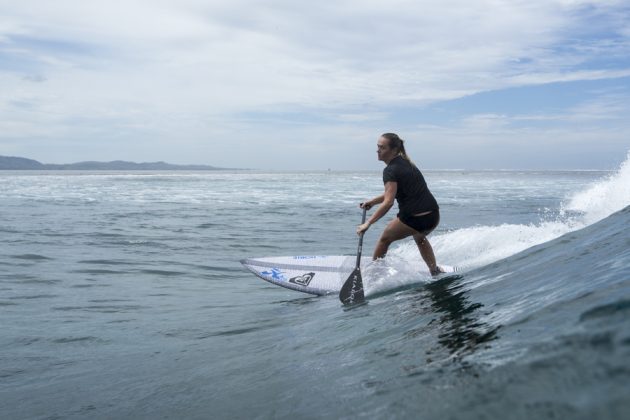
(352, 290)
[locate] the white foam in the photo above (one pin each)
(481, 245)
(391, 272)
(605, 197)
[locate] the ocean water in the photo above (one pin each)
(121, 296)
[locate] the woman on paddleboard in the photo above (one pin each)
(419, 213)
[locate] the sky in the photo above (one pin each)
(290, 85)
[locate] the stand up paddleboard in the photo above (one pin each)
(319, 274)
(313, 274)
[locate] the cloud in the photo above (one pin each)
(286, 53)
(189, 71)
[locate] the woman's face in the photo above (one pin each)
(384, 152)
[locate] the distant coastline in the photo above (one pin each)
(20, 163)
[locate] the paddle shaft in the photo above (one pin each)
(360, 249)
(351, 292)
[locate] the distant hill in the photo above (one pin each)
(8, 162)
(19, 163)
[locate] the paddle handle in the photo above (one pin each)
(360, 249)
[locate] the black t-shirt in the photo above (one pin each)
(413, 195)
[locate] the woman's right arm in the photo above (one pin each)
(386, 200)
(376, 200)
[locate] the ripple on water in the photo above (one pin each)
(105, 262)
(163, 272)
(106, 309)
(11, 372)
(98, 271)
(31, 257)
(27, 297)
(25, 278)
(38, 281)
(72, 339)
(607, 310)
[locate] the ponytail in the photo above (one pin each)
(396, 142)
(403, 153)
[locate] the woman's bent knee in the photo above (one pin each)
(385, 240)
(419, 238)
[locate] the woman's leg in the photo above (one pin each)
(426, 251)
(394, 231)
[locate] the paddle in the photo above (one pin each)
(352, 290)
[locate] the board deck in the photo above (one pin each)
(314, 274)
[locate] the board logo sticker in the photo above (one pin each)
(275, 274)
(309, 257)
(302, 280)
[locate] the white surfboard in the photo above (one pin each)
(314, 274)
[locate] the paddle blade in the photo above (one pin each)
(352, 291)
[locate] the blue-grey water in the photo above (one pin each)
(121, 296)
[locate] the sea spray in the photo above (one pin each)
(604, 197)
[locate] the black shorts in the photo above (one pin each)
(422, 224)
